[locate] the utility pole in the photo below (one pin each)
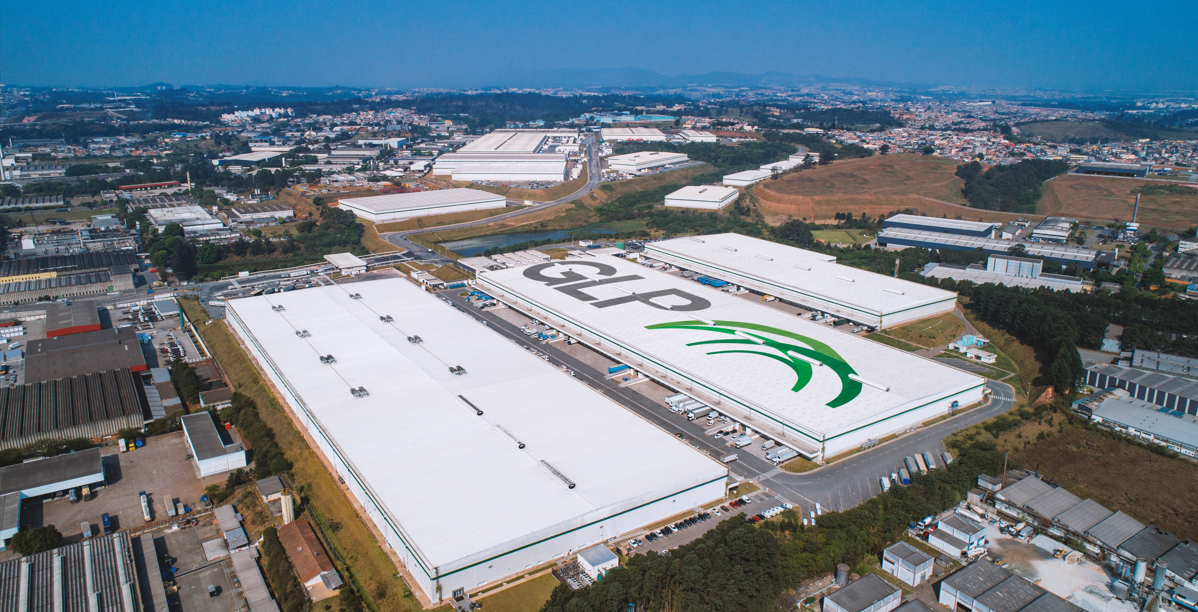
(896, 267)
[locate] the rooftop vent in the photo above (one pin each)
(457, 370)
(895, 292)
(472, 406)
(553, 470)
(763, 257)
(387, 319)
(846, 279)
(803, 268)
(415, 339)
(355, 296)
(302, 333)
(278, 308)
(328, 359)
(359, 392)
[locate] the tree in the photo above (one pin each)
(186, 382)
(928, 149)
(172, 230)
(796, 232)
(183, 259)
(808, 161)
(826, 156)
(885, 149)
(1017, 250)
(208, 254)
(1153, 277)
(160, 259)
(30, 541)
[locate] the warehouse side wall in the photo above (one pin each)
(427, 211)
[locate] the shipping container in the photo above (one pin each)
(86, 528)
(121, 444)
(904, 476)
(170, 506)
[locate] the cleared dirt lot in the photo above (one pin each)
(1102, 198)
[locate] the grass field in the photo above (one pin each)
(936, 331)
(1109, 198)
(368, 566)
(375, 244)
(450, 274)
(1118, 475)
(1012, 356)
(1064, 130)
(874, 185)
(799, 465)
(892, 341)
(527, 596)
(847, 236)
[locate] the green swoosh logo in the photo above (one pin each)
(808, 347)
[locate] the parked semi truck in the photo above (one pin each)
(911, 466)
(697, 412)
(617, 368)
(743, 441)
(785, 454)
(885, 484)
(768, 445)
(930, 460)
(923, 467)
(729, 458)
(904, 476)
(145, 506)
(947, 458)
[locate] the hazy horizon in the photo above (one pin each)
(1071, 46)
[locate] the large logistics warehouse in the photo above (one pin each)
(822, 391)
(806, 278)
(531, 463)
(709, 197)
(510, 155)
(400, 206)
(635, 163)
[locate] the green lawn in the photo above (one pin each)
(845, 236)
(524, 597)
(891, 341)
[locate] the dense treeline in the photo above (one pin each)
(737, 567)
(843, 117)
(823, 150)
(495, 110)
(1011, 188)
(268, 457)
(289, 593)
(725, 158)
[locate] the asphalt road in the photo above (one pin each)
(839, 486)
(400, 239)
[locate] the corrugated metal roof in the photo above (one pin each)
(206, 440)
(867, 591)
(252, 583)
(1024, 491)
(84, 353)
(1054, 502)
(1115, 529)
(112, 580)
(976, 578)
(53, 405)
(1010, 595)
(1182, 560)
(1149, 544)
(1083, 516)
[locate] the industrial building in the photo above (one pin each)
(95, 574)
(1053, 229)
(258, 213)
(194, 219)
(32, 202)
(819, 390)
(1114, 169)
(998, 274)
(360, 364)
(698, 136)
(746, 178)
(907, 563)
(976, 229)
(64, 356)
(511, 155)
(1182, 267)
(707, 197)
(212, 451)
(983, 586)
(1177, 393)
(903, 238)
(809, 279)
(636, 163)
(90, 406)
(63, 276)
(247, 160)
(312, 564)
(1118, 410)
(870, 593)
(174, 200)
(400, 206)
(43, 477)
(347, 263)
(597, 560)
(956, 536)
(1164, 362)
(632, 133)
(1114, 530)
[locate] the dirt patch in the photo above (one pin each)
(1121, 476)
(936, 331)
(1107, 198)
(873, 186)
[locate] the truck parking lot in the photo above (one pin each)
(194, 573)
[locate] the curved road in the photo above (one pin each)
(594, 175)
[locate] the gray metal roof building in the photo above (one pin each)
(1115, 530)
(1010, 595)
(211, 449)
(87, 406)
(1181, 561)
(1023, 492)
(1173, 392)
(1149, 544)
(34, 478)
(1182, 267)
(83, 353)
(981, 585)
(1083, 516)
(82, 262)
(252, 583)
(95, 574)
(1113, 169)
(862, 595)
(944, 226)
(953, 242)
(1054, 502)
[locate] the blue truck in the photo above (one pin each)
(617, 368)
(714, 282)
(904, 477)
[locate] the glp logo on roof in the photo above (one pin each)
(574, 285)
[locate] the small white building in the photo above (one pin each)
(635, 163)
(711, 197)
(210, 452)
(597, 560)
(347, 263)
(194, 219)
(871, 593)
(956, 535)
(697, 136)
(907, 563)
(746, 178)
(632, 133)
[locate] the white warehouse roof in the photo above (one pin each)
(661, 322)
(418, 431)
(426, 202)
(703, 196)
(508, 142)
(805, 277)
(748, 177)
(645, 160)
(632, 133)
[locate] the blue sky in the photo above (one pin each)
(1010, 43)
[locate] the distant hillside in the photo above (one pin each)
(1095, 131)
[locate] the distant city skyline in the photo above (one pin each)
(1065, 46)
